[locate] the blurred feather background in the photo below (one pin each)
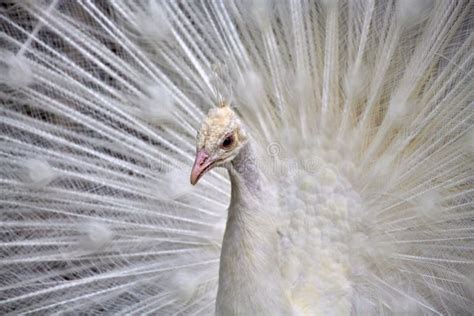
(100, 103)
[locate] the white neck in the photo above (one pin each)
(249, 277)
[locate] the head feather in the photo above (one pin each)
(220, 122)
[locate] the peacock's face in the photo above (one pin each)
(219, 140)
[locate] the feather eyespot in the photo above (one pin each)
(228, 142)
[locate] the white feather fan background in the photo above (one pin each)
(100, 103)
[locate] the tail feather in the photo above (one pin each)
(101, 101)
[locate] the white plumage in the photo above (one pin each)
(359, 118)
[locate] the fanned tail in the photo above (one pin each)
(101, 102)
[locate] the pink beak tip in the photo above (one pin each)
(200, 164)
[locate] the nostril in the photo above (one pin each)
(201, 158)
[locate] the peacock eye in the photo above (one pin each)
(228, 141)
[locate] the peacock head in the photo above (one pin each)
(218, 141)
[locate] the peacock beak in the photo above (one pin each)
(201, 165)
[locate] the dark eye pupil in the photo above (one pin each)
(228, 141)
